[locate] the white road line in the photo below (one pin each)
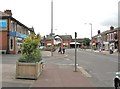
(68, 64)
(84, 72)
(67, 59)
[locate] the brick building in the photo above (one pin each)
(106, 39)
(12, 32)
(58, 40)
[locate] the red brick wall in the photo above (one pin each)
(47, 41)
(67, 41)
(4, 40)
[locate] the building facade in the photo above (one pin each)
(12, 33)
(107, 39)
(58, 40)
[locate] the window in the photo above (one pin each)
(115, 36)
(3, 23)
(13, 26)
(11, 43)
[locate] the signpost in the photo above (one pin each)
(75, 53)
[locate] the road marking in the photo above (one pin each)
(68, 64)
(84, 72)
(67, 59)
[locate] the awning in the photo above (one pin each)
(17, 34)
(19, 39)
(94, 44)
(48, 44)
(74, 43)
(65, 43)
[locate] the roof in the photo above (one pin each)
(74, 43)
(65, 37)
(3, 14)
(6, 16)
(32, 30)
(108, 31)
(80, 40)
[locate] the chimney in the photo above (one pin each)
(111, 28)
(9, 12)
(98, 31)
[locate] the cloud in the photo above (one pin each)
(110, 20)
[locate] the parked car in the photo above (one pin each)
(117, 80)
(42, 47)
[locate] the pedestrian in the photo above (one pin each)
(59, 50)
(63, 50)
(111, 49)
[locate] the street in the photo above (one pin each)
(100, 67)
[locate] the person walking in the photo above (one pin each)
(63, 50)
(59, 51)
(111, 49)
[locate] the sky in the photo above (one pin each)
(69, 16)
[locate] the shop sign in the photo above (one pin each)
(17, 34)
(3, 23)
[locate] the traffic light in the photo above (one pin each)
(75, 34)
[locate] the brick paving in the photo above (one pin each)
(59, 76)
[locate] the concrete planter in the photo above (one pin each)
(28, 70)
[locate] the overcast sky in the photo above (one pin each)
(69, 15)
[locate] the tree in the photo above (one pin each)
(86, 42)
(30, 51)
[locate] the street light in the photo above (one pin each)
(51, 27)
(91, 33)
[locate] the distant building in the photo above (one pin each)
(106, 39)
(79, 42)
(58, 40)
(12, 32)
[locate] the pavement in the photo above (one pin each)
(102, 52)
(61, 76)
(54, 75)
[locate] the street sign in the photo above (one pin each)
(75, 53)
(75, 34)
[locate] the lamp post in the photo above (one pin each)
(91, 29)
(91, 34)
(51, 27)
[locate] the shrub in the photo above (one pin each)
(30, 51)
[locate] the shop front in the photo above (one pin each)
(15, 42)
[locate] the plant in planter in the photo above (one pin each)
(29, 64)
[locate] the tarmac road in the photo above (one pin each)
(101, 67)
